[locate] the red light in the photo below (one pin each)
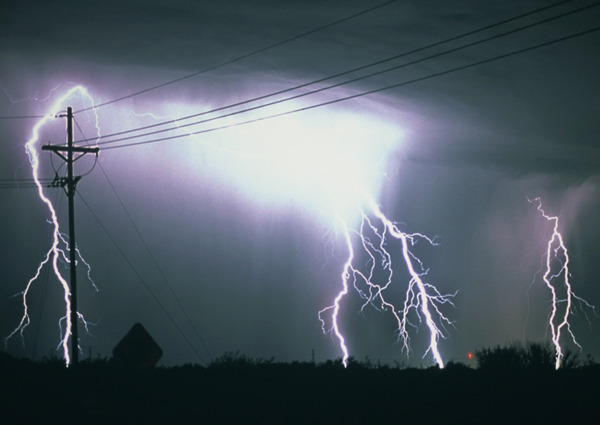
(470, 355)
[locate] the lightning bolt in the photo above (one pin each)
(59, 244)
(422, 298)
(557, 276)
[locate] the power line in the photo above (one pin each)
(169, 286)
(20, 117)
(155, 262)
(24, 183)
(21, 186)
(460, 68)
(22, 180)
(354, 96)
(239, 58)
(141, 279)
(18, 186)
(379, 62)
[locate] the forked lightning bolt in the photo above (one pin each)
(422, 298)
(56, 253)
(557, 278)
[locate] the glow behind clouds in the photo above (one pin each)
(323, 161)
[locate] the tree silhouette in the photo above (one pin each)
(530, 356)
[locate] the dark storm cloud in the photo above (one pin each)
(477, 144)
(186, 35)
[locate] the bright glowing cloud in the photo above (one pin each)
(324, 161)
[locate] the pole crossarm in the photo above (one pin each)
(62, 148)
(57, 149)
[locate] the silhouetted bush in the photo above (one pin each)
(456, 367)
(531, 356)
(237, 359)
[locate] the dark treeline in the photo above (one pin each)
(236, 389)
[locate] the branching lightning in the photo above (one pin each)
(423, 302)
(60, 243)
(557, 278)
(422, 298)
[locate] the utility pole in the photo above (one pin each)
(70, 182)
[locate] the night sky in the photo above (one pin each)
(239, 240)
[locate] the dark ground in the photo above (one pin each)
(237, 390)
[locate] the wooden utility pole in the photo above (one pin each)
(70, 182)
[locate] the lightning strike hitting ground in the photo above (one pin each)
(422, 298)
(557, 278)
(56, 252)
